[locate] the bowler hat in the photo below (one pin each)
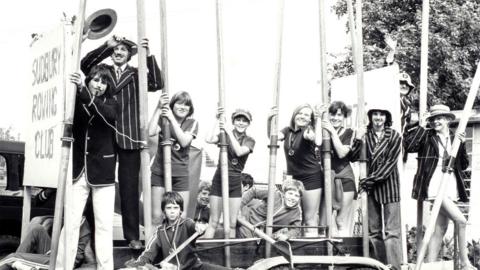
(440, 110)
(242, 112)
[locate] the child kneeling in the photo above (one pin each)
(286, 211)
(169, 235)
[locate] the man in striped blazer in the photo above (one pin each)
(126, 92)
(383, 187)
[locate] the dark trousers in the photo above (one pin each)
(128, 172)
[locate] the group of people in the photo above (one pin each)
(106, 131)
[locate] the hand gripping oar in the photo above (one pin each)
(282, 247)
(443, 184)
(180, 248)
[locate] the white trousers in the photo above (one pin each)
(103, 203)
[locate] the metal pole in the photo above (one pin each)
(64, 185)
(223, 135)
(166, 143)
(357, 49)
(273, 146)
(423, 101)
(143, 109)
(467, 110)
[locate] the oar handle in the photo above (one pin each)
(180, 248)
(256, 231)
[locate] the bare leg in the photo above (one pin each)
(345, 215)
(311, 203)
(234, 208)
(435, 243)
(454, 213)
(215, 210)
(186, 196)
(157, 195)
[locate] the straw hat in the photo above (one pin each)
(440, 109)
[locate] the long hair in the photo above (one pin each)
(388, 120)
(297, 110)
(182, 97)
(103, 72)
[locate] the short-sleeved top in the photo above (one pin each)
(236, 164)
(180, 154)
(341, 166)
(303, 157)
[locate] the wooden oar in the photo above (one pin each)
(453, 154)
(281, 246)
(180, 248)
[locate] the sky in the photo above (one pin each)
(249, 40)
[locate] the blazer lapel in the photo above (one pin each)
(381, 146)
(126, 77)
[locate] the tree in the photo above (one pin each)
(454, 39)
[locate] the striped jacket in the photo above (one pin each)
(382, 167)
(126, 92)
(425, 142)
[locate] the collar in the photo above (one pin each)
(122, 67)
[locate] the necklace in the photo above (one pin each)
(291, 143)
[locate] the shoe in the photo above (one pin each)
(135, 244)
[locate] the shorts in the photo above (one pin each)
(311, 181)
(234, 185)
(179, 183)
(349, 186)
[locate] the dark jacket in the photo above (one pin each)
(126, 92)
(161, 244)
(94, 139)
(425, 142)
(382, 165)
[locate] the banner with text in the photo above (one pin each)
(46, 109)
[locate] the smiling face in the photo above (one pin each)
(378, 119)
(203, 197)
(337, 118)
(180, 110)
(440, 123)
(120, 54)
(172, 211)
(303, 117)
(292, 197)
(97, 86)
(241, 123)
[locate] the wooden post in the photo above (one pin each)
(423, 101)
(143, 109)
(223, 135)
(467, 110)
(166, 143)
(357, 48)
(273, 146)
(27, 207)
(64, 183)
(326, 144)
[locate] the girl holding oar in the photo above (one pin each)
(302, 139)
(343, 141)
(183, 129)
(433, 148)
(240, 145)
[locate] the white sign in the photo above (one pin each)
(46, 105)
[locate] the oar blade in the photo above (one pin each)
(283, 247)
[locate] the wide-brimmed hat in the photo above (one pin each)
(440, 109)
(242, 112)
(404, 77)
(132, 45)
(383, 110)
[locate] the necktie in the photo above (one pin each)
(119, 73)
(445, 155)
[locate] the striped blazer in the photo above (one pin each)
(126, 92)
(382, 158)
(425, 142)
